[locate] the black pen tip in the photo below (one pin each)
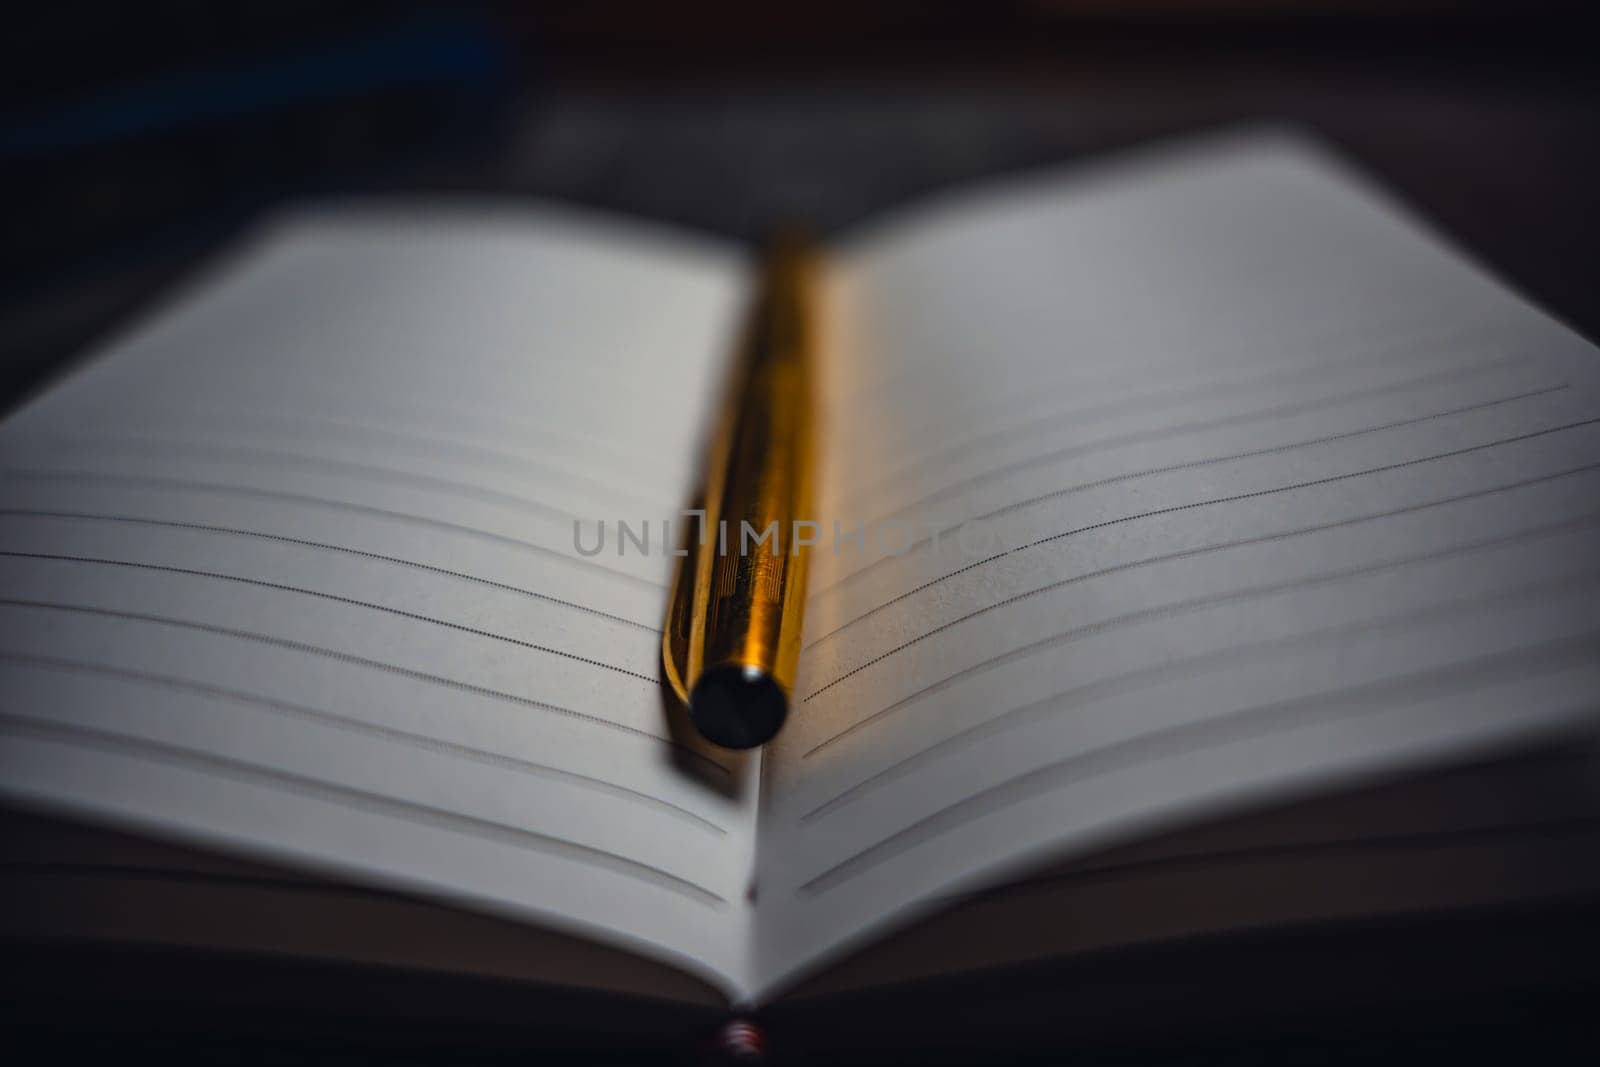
(737, 707)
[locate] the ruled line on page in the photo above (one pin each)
(250, 492)
(1204, 663)
(1094, 870)
(346, 796)
(1169, 396)
(1201, 603)
(323, 545)
(1169, 610)
(1276, 449)
(410, 439)
(474, 423)
(1169, 468)
(1230, 499)
(260, 583)
(362, 661)
(1191, 553)
(1325, 351)
(1243, 724)
(355, 725)
(268, 458)
(1237, 419)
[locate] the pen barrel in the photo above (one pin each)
(749, 594)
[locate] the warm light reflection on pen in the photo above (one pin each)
(732, 640)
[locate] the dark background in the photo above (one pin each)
(135, 142)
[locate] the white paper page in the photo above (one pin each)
(1281, 493)
(1520, 830)
(292, 570)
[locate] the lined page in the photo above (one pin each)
(1192, 481)
(292, 571)
(1520, 830)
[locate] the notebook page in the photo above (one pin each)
(1520, 830)
(1191, 481)
(292, 571)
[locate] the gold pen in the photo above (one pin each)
(732, 639)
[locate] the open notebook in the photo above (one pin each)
(1271, 505)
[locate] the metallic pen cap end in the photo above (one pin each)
(737, 706)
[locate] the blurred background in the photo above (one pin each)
(137, 140)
